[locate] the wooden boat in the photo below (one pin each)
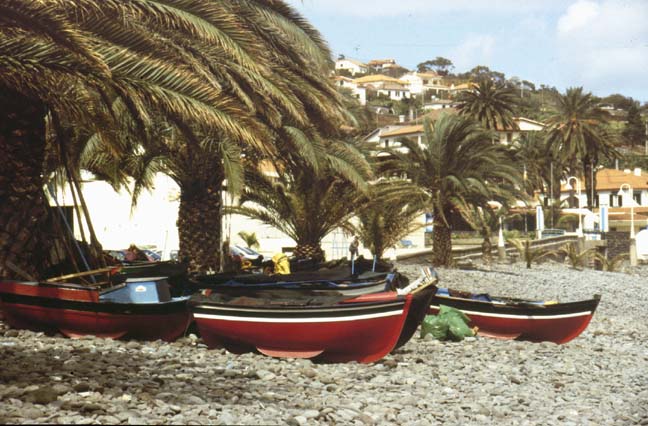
(338, 279)
(327, 326)
(508, 318)
(167, 268)
(140, 308)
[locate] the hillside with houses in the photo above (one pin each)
(396, 96)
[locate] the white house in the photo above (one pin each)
(623, 192)
(391, 138)
(424, 82)
(382, 64)
(382, 84)
(456, 89)
(359, 92)
(440, 104)
(395, 91)
(522, 125)
(352, 65)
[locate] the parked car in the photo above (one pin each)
(246, 253)
(154, 256)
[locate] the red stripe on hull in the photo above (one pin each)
(557, 330)
(363, 340)
(54, 292)
(74, 323)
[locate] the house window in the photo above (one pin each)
(386, 143)
(636, 196)
(611, 200)
(509, 137)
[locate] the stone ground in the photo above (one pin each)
(599, 378)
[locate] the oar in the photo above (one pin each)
(19, 271)
(81, 274)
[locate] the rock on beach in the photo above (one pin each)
(600, 377)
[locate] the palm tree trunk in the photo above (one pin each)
(441, 243)
(487, 247)
(309, 250)
(199, 226)
(590, 182)
(24, 240)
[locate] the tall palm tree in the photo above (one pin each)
(314, 192)
(207, 69)
(577, 132)
(388, 214)
(491, 104)
(458, 168)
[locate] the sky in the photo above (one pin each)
(601, 45)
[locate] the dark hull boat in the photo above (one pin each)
(339, 280)
(508, 318)
(327, 326)
(138, 309)
(168, 268)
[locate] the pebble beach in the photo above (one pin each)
(600, 378)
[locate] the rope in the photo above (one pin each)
(69, 229)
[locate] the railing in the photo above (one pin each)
(546, 243)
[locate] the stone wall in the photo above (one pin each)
(617, 242)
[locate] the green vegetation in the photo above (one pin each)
(207, 90)
(249, 238)
(490, 104)
(218, 79)
(388, 214)
(576, 258)
(319, 185)
(529, 254)
(577, 132)
(454, 165)
(610, 265)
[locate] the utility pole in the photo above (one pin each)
(551, 201)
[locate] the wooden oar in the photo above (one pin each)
(19, 271)
(80, 274)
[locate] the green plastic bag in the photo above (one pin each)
(449, 324)
(436, 326)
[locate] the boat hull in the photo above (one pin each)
(532, 321)
(362, 331)
(75, 311)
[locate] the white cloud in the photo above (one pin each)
(578, 16)
(475, 50)
(604, 44)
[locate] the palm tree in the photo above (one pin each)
(577, 132)
(388, 214)
(528, 253)
(221, 75)
(491, 104)
(318, 187)
(250, 239)
(578, 259)
(458, 168)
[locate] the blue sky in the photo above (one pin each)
(601, 45)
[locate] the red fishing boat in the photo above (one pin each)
(509, 318)
(140, 308)
(327, 326)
